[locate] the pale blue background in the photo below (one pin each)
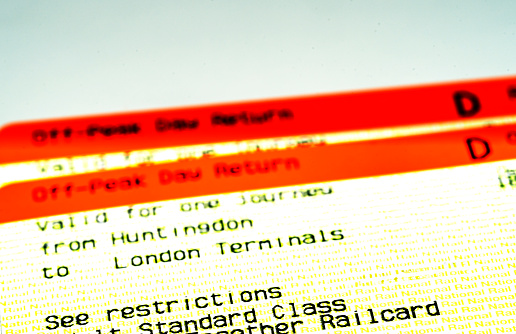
(61, 58)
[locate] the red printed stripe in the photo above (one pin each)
(252, 171)
(258, 120)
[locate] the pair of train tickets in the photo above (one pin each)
(380, 211)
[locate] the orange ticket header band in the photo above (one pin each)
(258, 120)
(254, 171)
